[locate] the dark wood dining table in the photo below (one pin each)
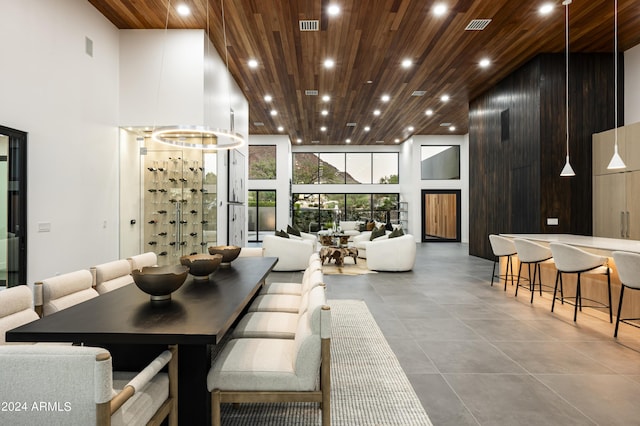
(134, 329)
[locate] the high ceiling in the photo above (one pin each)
(368, 40)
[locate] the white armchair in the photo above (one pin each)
(362, 241)
(392, 254)
(15, 309)
(292, 254)
(74, 385)
(310, 237)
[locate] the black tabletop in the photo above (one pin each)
(200, 312)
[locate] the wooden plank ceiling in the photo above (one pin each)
(368, 40)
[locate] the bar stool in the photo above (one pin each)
(502, 247)
(572, 260)
(628, 265)
(531, 253)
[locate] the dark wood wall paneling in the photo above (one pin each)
(515, 183)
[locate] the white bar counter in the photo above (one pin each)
(594, 287)
(603, 246)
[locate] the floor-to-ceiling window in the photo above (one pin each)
(314, 212)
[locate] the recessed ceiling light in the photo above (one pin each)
(252, 63)
(376, 112)
(183, 10)
(347, 141)
(385, 98)
(429, 112)
(324, 112)
(326, 98)
(367, 128)
(333, 9)
(546, 8)
(397, 140)
(410, 128)
(484, 62)
(329, 63)
(444, 98)
(439, 9)
(452, 128)
(299, 140)
(268, 98)
(406, 63)
(369, 81)
(274, 112)
(323, 129)
(280, 128)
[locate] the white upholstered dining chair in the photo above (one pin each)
(287, 370)
(139, 261)
(111, 275)
(75, 385)
(15, 309)
(62, 291)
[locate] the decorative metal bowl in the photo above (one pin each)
(201, 265)
(229, 254)
(160, 281)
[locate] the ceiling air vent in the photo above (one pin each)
(258, 123)
(445, 124)
(379, 141)
(309, 25)
(311, 92)
(315, 141)
(351, 124)
(478, 25)
(419, 93)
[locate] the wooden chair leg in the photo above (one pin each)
(173, 385)
(215, 407)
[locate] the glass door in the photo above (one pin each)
(13, 200)
(262, 214)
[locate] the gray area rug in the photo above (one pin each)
(368, 386)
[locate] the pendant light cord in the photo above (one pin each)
(566, 94)
(164, 48)
(226, 60)
(615, 71)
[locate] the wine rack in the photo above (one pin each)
(179, 202)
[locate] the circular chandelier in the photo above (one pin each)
(198, 137)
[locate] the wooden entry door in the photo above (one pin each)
(441, 215)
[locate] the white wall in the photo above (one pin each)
(67, 101)
(195, 89)
(161, 77)
(283, 174)
(413, 186)
(632, 85)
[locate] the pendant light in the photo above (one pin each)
(567, 170)
(616, 161)
(199, 136)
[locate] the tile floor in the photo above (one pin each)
(476, 355)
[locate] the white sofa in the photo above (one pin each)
(391, 254)
(350, 228)
(293, 254)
